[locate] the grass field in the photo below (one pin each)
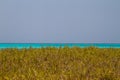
(60, 64)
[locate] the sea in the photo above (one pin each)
(57, 45)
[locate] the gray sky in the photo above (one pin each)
(55, 21)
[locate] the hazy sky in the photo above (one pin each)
(60, 21)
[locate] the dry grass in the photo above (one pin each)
(60, 64)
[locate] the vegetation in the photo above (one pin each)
(60, 64)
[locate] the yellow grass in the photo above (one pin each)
(60, 64)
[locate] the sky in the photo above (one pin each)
(59, 21)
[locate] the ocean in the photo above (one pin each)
(40, 45)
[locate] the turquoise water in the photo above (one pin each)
(39, 45)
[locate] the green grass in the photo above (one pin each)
(60, 64)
